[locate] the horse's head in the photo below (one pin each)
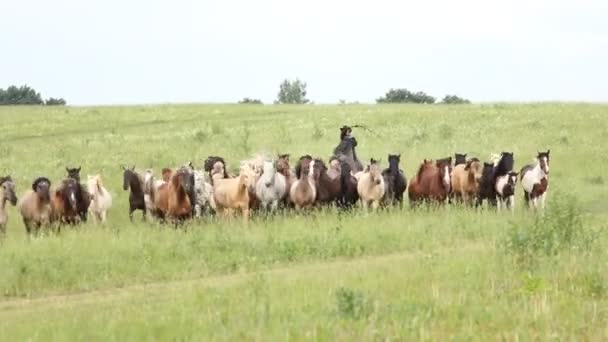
(269, 170)
(69, 190)
(474, 167)
(375, 171)
(345, 132)
(543, 160)
(460, 158)
(184, 178)
(166, 173)
(42, 187)
(393, 161)
(335, 164)
(127, 174)
(93, 183)
(8, 189)
(73, 173)
(506, 162)
(444, 171)
(512, 180)
(302, 167)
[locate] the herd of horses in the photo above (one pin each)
(266, 185)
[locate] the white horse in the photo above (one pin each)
(535, 180)
(271, 186)
(101, 200)
(370, 186)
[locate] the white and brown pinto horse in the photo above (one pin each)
(535, 181)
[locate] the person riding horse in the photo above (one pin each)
(345, 151)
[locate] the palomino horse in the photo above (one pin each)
(64, 203)
(328, 190)
(289, 174)
(233, 194)
(134, 182)
(346, 149)
(371, 186)
(7, 194)
(83, 200)
(431, 183)
(394, 181)
(505, 190)
(101, 199)
(172, 201)
(303, 192)
(465, 181)
(271, 187)
(535, 180)
(35, 206)
(487, 190)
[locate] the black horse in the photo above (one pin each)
(133, 182)
(83, 198)
(394, 181)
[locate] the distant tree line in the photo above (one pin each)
(403, 95)
(25, 95)
(247, 100)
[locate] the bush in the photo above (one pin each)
(292, 92)
(405, 96)
(453, 99)
(23, 95)
(247, 100)
(352, 304)
(55, 102)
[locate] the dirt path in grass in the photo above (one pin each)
(168, 288)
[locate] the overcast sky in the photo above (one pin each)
(120, 52)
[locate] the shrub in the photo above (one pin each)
(453, 99)
(405, 96)
(55, 102)
(247, 100)
(23, 95)
(352, 304)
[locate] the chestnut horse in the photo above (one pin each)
(64, 203)
(431, 183)
(303, 192)
(289, 174)
(329, 190)
(172, 201)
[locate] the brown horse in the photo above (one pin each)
(328, 190)
(350, 195)
(35, 206)
(431, 183)
(284, 169)
(64, 203)
(466, 179)
(303, 192)
(83, 197)
(172, 200)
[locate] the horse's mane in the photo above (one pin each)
(40, 180)
(5, 179)
(299, 164)
(425, 165)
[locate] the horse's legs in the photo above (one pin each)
(245, 214)
(375, 205)
(274, 205)
(131, 210)
(512, 203)
(526, 198)
(542, 200)
(103, 216)
(364, 204)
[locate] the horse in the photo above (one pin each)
(283, 167)
(83, 199)
(254, 166)
(503, 165)
(395, 182)
(270, 187)
(431, 183)
(35, 205)
(232, 194)
(535, 180)
(329, 190)
(150, 189)
(172, 200)
(64, 203)
(203, 194)
(7, 194)
(166, 174)
(215, 167)
(350, 195)
(487, 189)
(505, 190)
(101, 199)
(134, 182)
(371, 186)
(346, 149)
(460, 158)
(303, 192)
(466, 180)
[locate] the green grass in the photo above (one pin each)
(444, 274)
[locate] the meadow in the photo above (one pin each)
(451, 273)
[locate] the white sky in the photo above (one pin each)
(131, 51)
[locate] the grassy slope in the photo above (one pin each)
(433, 274)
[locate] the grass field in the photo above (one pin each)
(452, 273)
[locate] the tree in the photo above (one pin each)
(403, 95)
(453, 99)
(292, 92)
(55, 102)
(23, 95)
(247, 100)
